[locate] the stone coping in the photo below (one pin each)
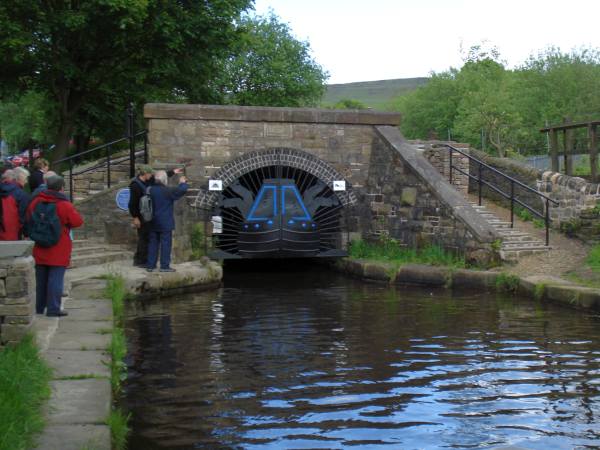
(537, 287)
(15, 249)
(268, 114)
(481, 229)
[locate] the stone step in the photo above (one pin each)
(100, 258)
(515, 255)
(501, 225)
(80, 243)
(525, 238)
(94, 249)
(525, 246)
(515, 243)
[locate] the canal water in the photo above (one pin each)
(303, 358)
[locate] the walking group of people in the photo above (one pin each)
(46, 216)
(35, 207)
(154, 224)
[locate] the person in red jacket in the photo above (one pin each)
(52, 262)
(13, 204)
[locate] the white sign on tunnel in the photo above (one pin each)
(217, 224)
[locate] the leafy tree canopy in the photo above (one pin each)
(270, 67)
(90, 58)
(487, 105)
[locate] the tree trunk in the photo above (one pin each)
(62, 140)
(69, 104)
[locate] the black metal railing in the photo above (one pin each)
(110, 153)
(512, 195)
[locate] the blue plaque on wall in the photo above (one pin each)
(122, 199)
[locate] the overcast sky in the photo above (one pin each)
(364, 40)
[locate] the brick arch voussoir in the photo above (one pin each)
(291, 157)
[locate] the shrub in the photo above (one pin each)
(507, 282)
(24, 387)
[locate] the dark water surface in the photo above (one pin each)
(292, 359)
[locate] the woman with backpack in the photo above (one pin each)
(50, 217)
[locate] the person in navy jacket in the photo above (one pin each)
(163, 220)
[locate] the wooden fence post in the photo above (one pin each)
(554, 150)
(593, 148)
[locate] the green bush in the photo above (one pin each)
(524, 214)
(119, 429)
(571, 227)
(507, 282)
(389, 250)
(24, 387)
(539, 290)
(593, 258)
(117, 421)
(198, 241)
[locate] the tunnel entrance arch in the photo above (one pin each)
(279, 203)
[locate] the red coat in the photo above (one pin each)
(10, 219)
(59, 254)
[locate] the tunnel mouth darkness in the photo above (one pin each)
(278, 211)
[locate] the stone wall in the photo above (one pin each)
(574, 195)
(438, 155)
(414, 207)
(521, 172)
(412, 202)
(17, 290)
(204, 138)
(105, 222)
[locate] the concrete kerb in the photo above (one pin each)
(541, 288)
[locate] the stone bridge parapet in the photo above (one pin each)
(392, 186)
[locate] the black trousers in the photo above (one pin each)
(141, 253)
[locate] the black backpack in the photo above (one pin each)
(145, 206)
(44, 226)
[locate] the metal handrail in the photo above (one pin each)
(513, 182)
(100, 147)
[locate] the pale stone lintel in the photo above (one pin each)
(268, 114)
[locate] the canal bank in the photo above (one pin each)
(78, 348)
(537, 287)
(291, 357)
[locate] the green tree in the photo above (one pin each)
(506, 107)
(349, 103)
(101, 54)
(430, 110)
(485, 108)
(270, 67)
(26, 119)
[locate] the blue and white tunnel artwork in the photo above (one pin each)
(278, 212)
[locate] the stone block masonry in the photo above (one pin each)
(438, 155)
(401, 192)
(17, 290)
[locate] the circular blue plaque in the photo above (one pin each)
(122, 199)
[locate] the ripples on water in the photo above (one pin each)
(317, 361)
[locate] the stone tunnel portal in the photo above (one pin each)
(282, 209)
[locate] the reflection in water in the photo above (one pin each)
(312, 360)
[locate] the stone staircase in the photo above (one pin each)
(515, 243)
(92, 178)
(90, 253)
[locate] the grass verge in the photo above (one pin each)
(24, 387)
(388, 250)
(117, 420)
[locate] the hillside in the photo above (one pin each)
(372, 93)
